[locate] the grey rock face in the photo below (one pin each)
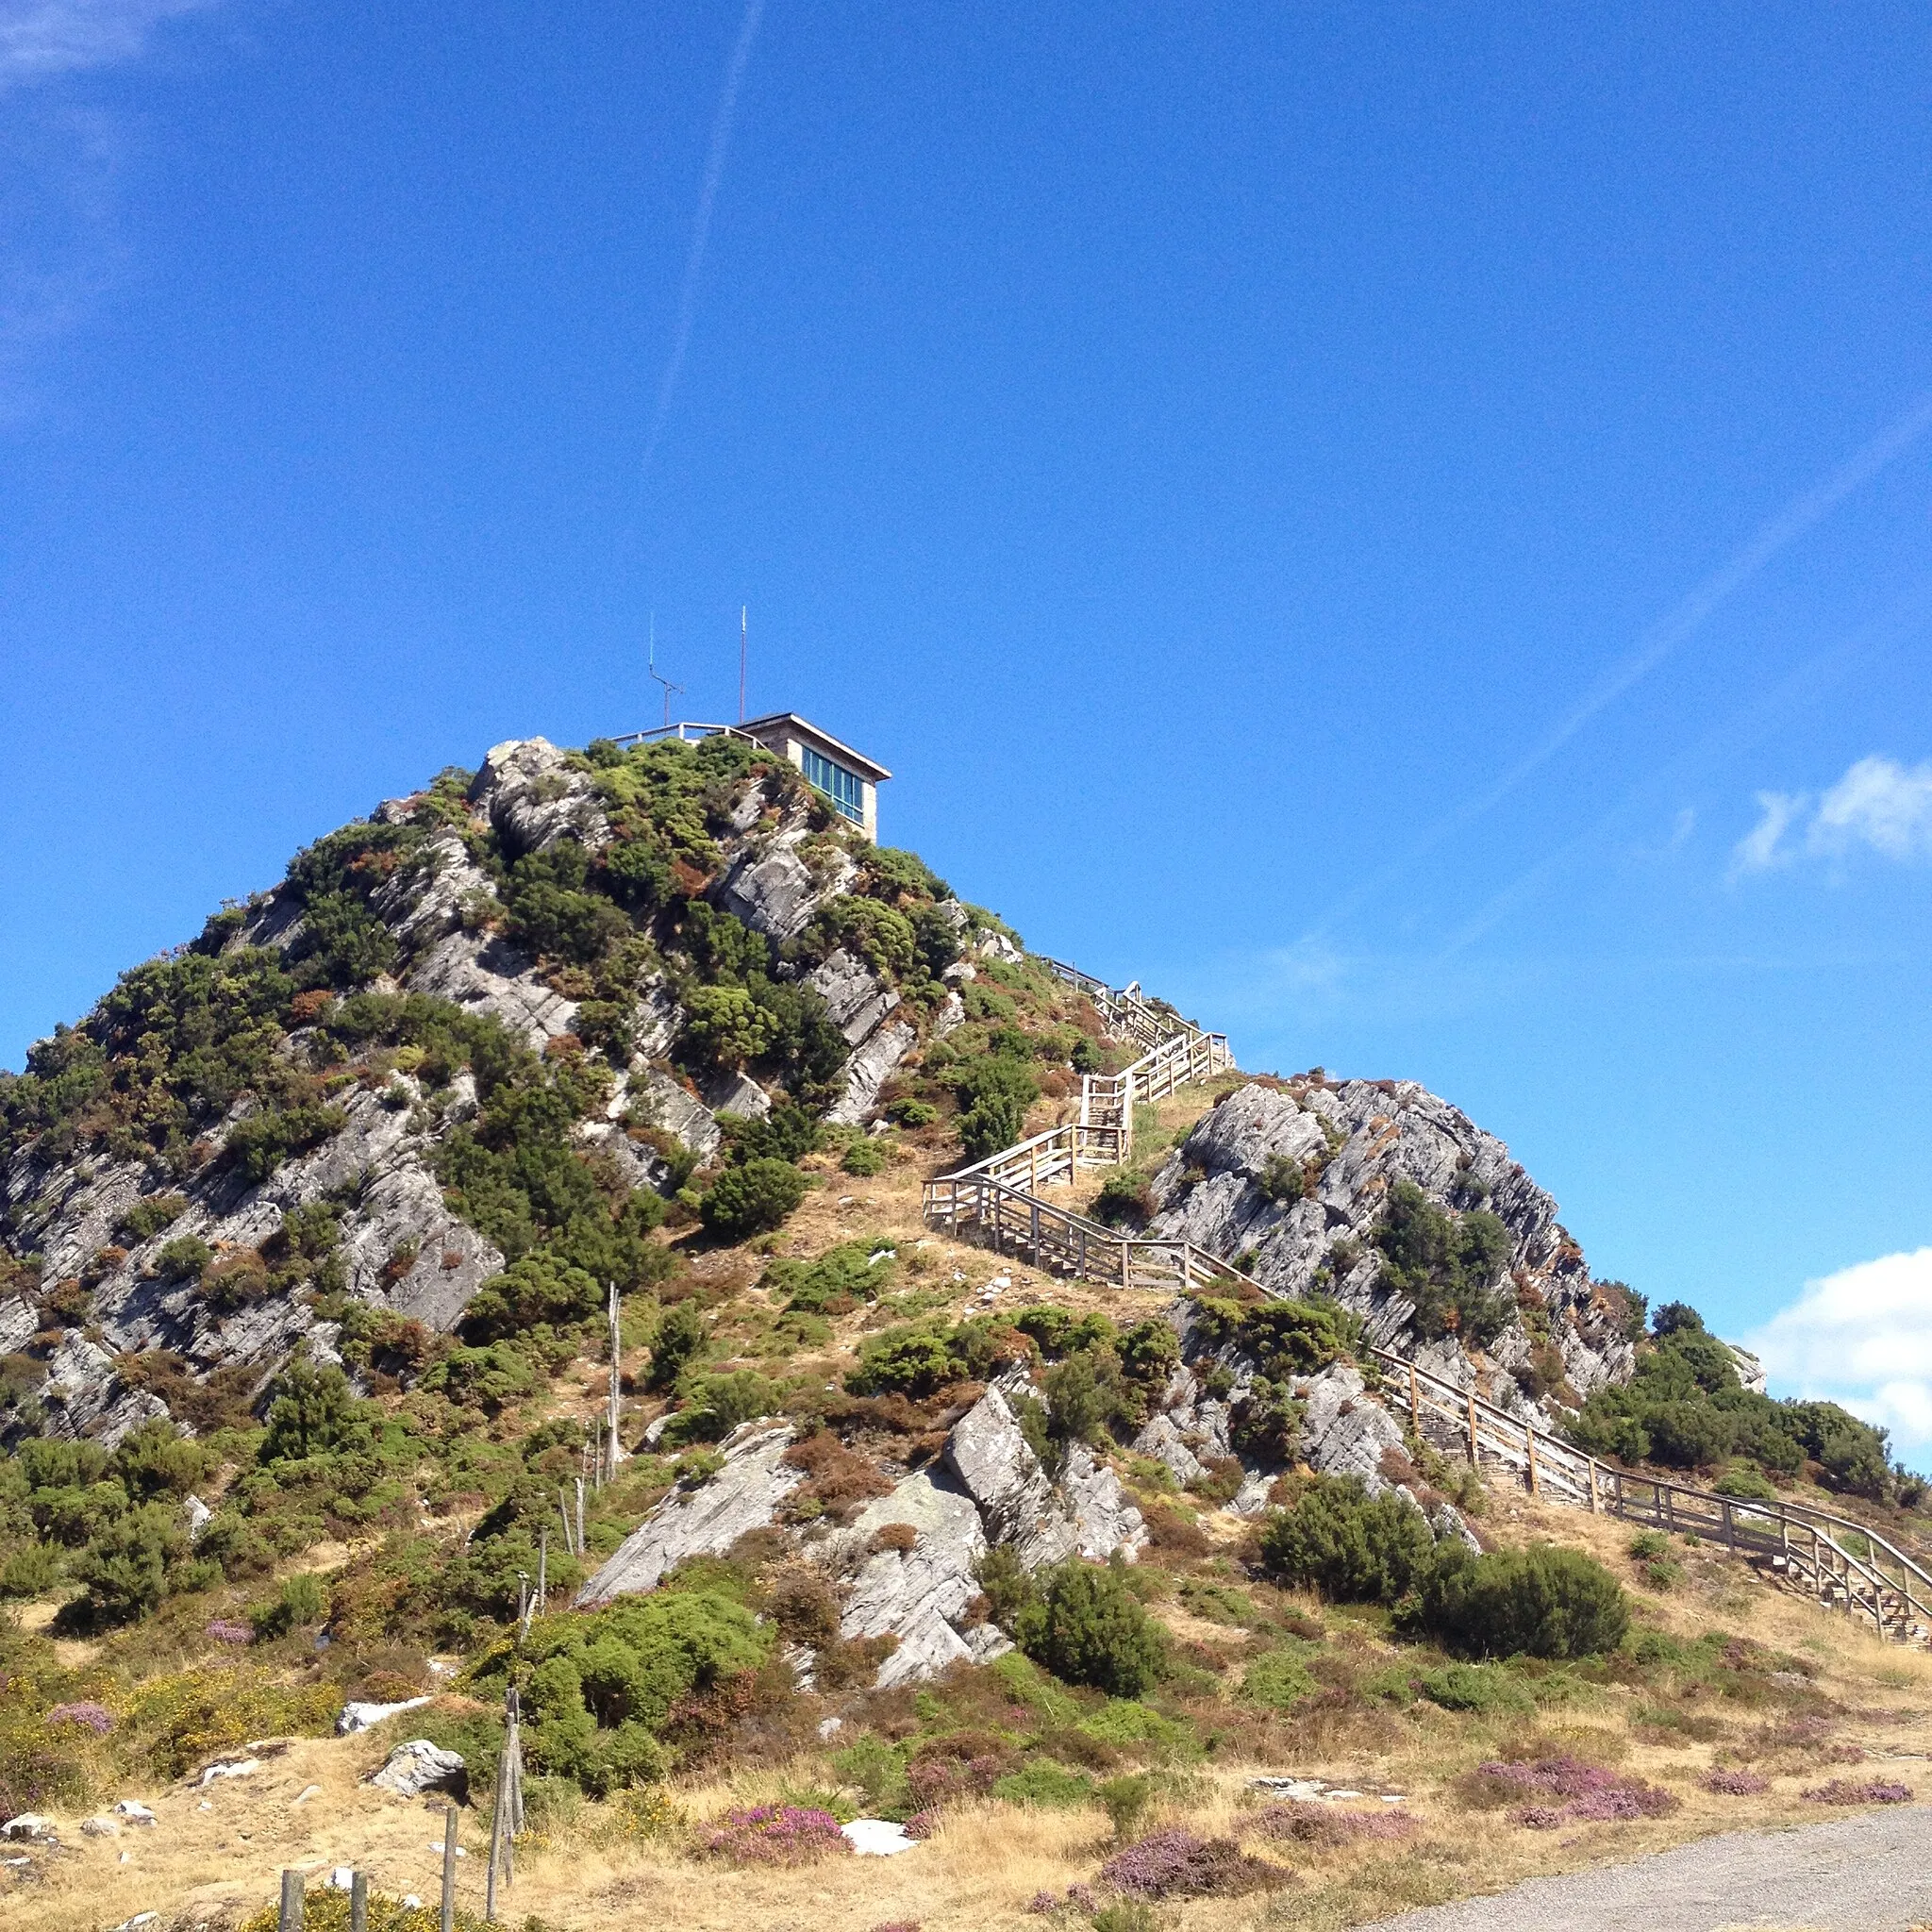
(855, 998)
(990, 1456)
(533, 798)
(1381, 1132)
(420, 1766)
(920, 1596)
(868, 1071)
(485, 973)
(1347, 1430)
(772, 889)
(705, 1522)
(678, 1112)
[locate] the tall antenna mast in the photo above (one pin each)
(744, 616)
(659, 677)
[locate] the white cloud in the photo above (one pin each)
(1879, 805)
(40, 38)
(1862, 1338)
(1764, 845)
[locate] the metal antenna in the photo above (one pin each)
(744, 620)
(659, 677)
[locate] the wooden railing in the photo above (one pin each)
(997, 1202)
(1843, 1564)
(687, 734)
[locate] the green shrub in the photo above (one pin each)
(1447, 1265)
(1648, 1543)
(1350, 1546)
(753, 1199)
(1124, 1199)
(311, 1411)
(1747, 1485)
(718, 1404)
(602, 1683)
(300, 1603)
(133, 1562)
(1481, 1689)
(541, 1288)
(864, 1158)
(847, 1271)
(149, 1215)
(1284, 1337)
(994, 1095)
(1282, 1179)
(907, 1361)
(913, 1113)
(1045, 1785)
(1542, 1601)
(259, 1143)
(185, 1257)
(1278, 1681)
(676, 1342)
(1082, 1623)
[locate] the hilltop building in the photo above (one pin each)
(849, 781)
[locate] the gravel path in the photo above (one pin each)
(1869, 1873)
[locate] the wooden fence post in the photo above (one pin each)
(1415, 1403)
(359, 1902)
(1529, 1450)
(1471, 1430)
(449, 1868)
(290, 1918)
(1595, 1507)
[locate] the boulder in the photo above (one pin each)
(920, 1596)
(1345, 1430)
(704, 1521)
(132, 1811)
(355, 1715)
(420, 1766)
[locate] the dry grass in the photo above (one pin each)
(987, 1861)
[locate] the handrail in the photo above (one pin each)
(998, 1197)
(1740, 1522)
(678, 730)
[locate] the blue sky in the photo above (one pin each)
(1403, 527)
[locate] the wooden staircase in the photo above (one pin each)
(997, 1202)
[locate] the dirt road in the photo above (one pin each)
(1869, 1873)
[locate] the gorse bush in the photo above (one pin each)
(1079, 1621)
(1350, 1546)
(994, 1095)
(1685, 1407)
(753, 1199)
(1448, 1266)
(1541, 1602)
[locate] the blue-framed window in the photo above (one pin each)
(846, 790)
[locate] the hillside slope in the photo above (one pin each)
(309, 1231)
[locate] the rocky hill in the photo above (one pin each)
(310, 1234)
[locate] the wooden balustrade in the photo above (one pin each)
(997, 1201)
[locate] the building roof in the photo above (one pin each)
(760, 727)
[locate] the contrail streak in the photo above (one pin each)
(1662, 639)
(701, 226)
(1906, 616)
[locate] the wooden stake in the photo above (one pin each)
(616, 1380)
(359, 1902)
(449, 1868)
(1472, 1429)
(542, 1567)
(290, 1918)
(580, 1516)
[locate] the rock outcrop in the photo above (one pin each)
(402, 1246)
(705, 1520)
(1356, 1139)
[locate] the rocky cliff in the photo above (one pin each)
(562, 904)
(1294, 1181)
